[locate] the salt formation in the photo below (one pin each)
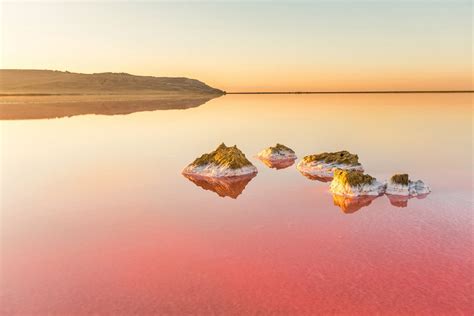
(355, 183)
(222, 162)
(323, 165)
(400, 184)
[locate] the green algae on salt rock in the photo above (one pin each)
(400, 179)
(279, 148)
(338, 157)
(355, 183)
(224, 161)
(324, 164)
(352, 178)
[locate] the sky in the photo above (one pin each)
(250, 45)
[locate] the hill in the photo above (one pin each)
(13, 81)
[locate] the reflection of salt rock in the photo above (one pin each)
(223, 186)
(278, 153)
(317, 178)
(355, 183)
(278, 164)
(402, 200)
(399, 184)
(352, 204)
(398, 200)
(323, 165)
(222, 162)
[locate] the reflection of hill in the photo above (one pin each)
(282, 164)
(34, 94)
(225, 186)
(352, 204)
(40, 107)
(402, 200)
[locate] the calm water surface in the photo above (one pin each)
(97, 218)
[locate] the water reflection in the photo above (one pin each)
(401, 200)
(281, 164)
(63, 106)
(225, 186)
(316, 178)
(352, 204)
(256, 256)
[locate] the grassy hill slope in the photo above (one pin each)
(59, 82)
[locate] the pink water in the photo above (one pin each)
(96, 217)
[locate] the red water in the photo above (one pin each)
(96, 217)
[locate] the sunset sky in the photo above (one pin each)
(250, 46)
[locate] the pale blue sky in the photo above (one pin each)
(248, 45)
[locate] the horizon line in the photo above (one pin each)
(351, 92)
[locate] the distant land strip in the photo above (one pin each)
(352, 92)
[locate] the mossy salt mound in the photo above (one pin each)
(324, 164)
(400, 184)
(355, 183)
(230, 157)
(279, 148)
(277, 153)
(353, 178)
(222, 162)
(339, 157)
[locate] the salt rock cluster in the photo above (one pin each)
(354, 183)
(345, 172)
(222, 162)
(227, 171)
(323, 165)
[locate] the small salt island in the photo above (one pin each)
(277, 153)
(400, 184)
(353, 183)
(222, 162)
(323, 165)
(278, 157)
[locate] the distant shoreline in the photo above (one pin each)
(37, 94)
(251, 92)
(352, 92)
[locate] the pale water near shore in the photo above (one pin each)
(96, 216)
